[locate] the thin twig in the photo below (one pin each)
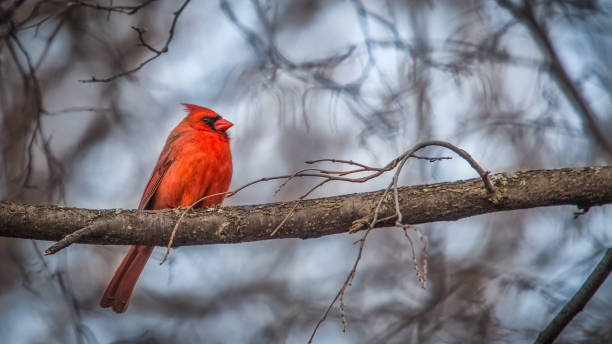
(285, 219)
(421, 271)
(93, 229)
(178, 222)
(399, 162)
(351, 274)
(157, 52)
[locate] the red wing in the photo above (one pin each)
(166, 158)
(153, 184)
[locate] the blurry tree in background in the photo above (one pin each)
(90, 89)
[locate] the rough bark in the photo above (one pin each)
(584, 187)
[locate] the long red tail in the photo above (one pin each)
(120, 288)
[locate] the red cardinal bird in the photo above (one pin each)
(196, 162)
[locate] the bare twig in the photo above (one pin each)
(157, 52)
(579, 301)
(285, 218)
(353, 271)
(484, 175)
(92, 230)
(178, 222)
(399, 162)
(421, 271)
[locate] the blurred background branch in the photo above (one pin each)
(578, 302)
(539, 31)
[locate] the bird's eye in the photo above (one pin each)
(210, 121)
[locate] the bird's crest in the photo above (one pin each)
(191, 109)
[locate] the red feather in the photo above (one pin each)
(196, 162)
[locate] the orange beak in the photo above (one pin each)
(223, 124)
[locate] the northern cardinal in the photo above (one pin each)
(195, 162)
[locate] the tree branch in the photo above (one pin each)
(584, 187)
(579, 301)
